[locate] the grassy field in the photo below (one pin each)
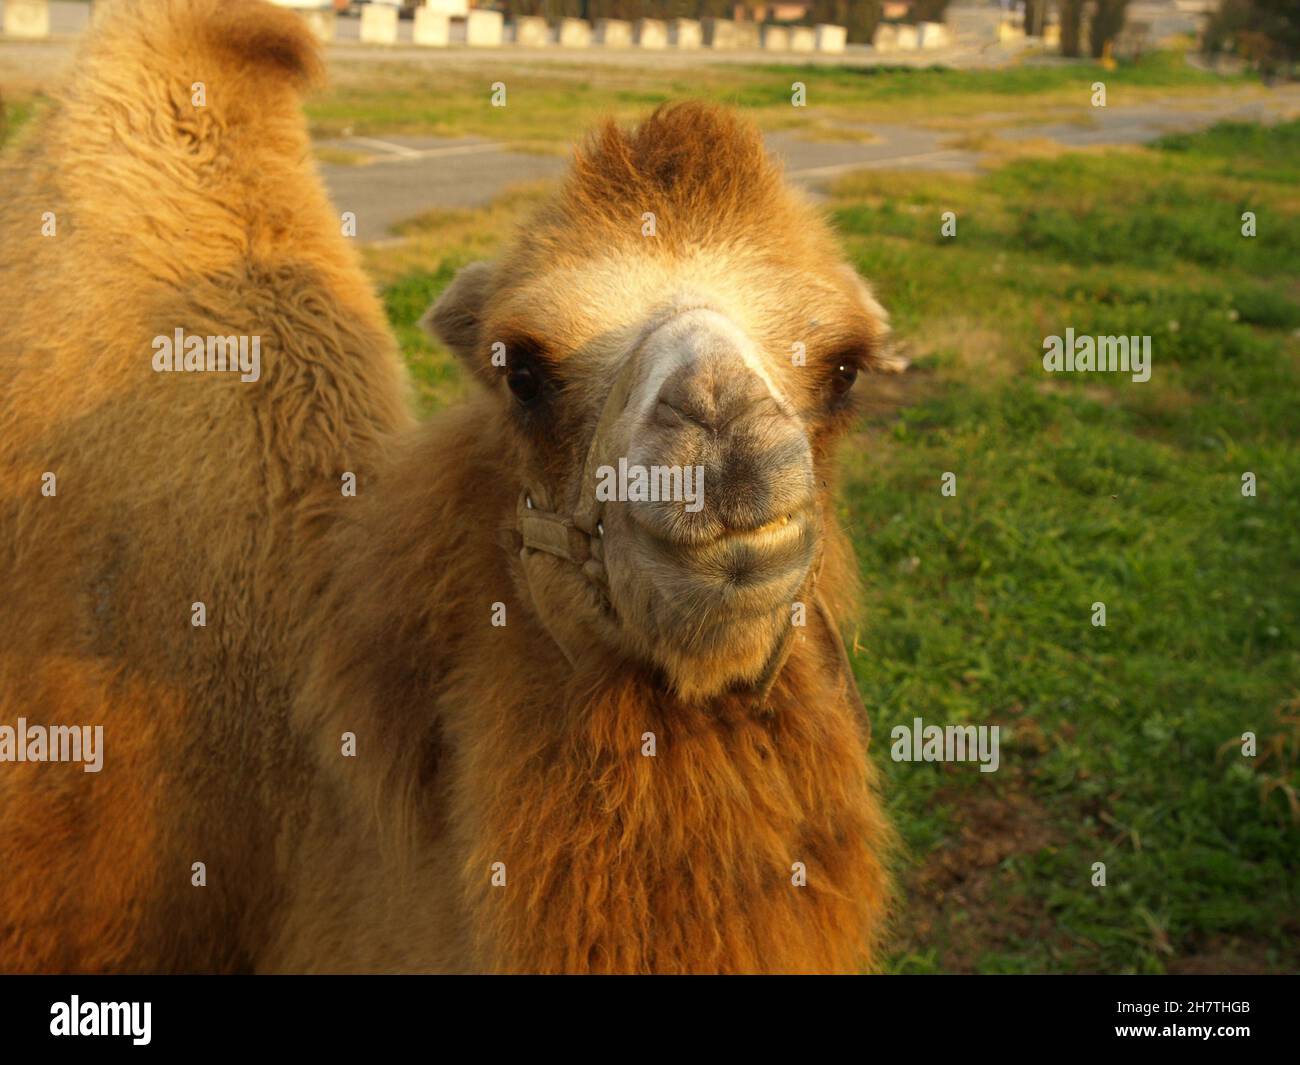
(548, 102)
(1119, 744)
(1091, 488)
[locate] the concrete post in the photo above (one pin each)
(651, 33)
(531, 31)
(28, 19)
(803, 39)
(614, 33)
(776, 39)
(685, 34)
(831, 38)
(573, 33)
(379, 24)
(431, 28)
(484, 29)
(323, 23)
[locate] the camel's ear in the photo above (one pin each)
(885, 358)
(457, 317)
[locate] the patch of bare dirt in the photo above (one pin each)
(960, 899)
(1234, 955)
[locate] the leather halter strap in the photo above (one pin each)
(577, 538)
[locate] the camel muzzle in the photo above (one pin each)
(690, 395)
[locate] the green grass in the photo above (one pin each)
(1072, 489)
(1075, 489)
(15, 114)
(548, 103)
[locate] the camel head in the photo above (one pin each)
(673, 345)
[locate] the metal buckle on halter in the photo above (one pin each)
(545, 530)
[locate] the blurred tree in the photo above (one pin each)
(928, 10)
(550, 9)
(1107, 24)
(680, 9)
(1072, 28)
(859, 17)
(1035, 17)
(862, 18)
(1266, 33)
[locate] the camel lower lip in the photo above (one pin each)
(774, 536)
(736, 575)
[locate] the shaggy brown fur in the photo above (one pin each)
(477, 744)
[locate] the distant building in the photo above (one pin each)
(773, 11)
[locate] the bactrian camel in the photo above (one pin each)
(387, 696)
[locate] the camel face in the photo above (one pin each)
(711, 355)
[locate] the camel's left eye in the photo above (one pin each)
(842, 379)
(528, 373)
(525, 383)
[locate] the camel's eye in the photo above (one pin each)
(842, 379)
(525, 382)
(527, 373)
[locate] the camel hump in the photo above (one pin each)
(222, 38)
(178, 134)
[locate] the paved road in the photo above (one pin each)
(407, 176)
(403, 177)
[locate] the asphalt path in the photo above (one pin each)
(398, 178)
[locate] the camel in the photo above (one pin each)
(386, 696)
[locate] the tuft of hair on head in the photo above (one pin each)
(691, 160)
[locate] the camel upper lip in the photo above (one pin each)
(775, 535)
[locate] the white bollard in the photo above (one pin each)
(803, 39)
(531, 31)
(28, 19)
(685, 33)
(323, 23)
(932, 34)
(484, 29)
(651, 33)
(431, 28)
(776, 39)
(573, 33)
(831, 38)
(450, 8)
(886, 38)
(908, 39)
(378, 24)
(614, 33)
(719, 33)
